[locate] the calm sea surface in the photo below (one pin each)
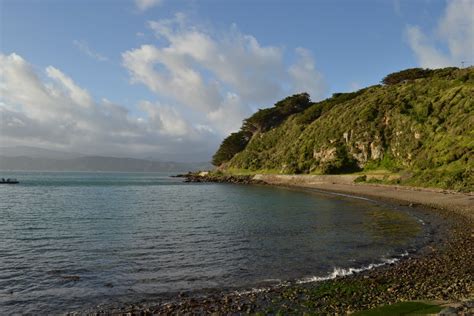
(70, 241)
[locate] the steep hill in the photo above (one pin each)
(419, 124)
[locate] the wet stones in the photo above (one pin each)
(221, 178)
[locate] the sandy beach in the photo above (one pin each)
(461, 203)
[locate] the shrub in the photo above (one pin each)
(341, 164)
(407, 74)
(360, 179)
(233, 144)
(262, 121)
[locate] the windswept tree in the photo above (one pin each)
(262, 121)
(405, 75)
(232, 144)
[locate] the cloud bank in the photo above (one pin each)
(455, 30)
(221, 77)
(57, 113)
(205, 83)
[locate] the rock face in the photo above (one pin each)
(360, 152)
(325, 154)
(376, 150)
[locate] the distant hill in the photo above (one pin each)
(418, 124)
(95, 163)
(40, 159)
(35, 152)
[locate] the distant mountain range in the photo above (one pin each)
(31, 158)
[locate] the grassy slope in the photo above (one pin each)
(422, 130)
(402, 308)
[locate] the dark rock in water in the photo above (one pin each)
(221, 178)
(71, 277)
(179, 175)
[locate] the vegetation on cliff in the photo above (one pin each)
(262, 121)
(417, 124)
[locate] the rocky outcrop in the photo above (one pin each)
(220, 178)
(376, 150)
(325, 154)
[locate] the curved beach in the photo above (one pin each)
(440, 272)
(452, 201)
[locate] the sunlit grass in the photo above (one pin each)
(402, 308)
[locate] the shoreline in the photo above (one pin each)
(439, 199)
(440, 271)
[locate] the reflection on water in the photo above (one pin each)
(72, 240)
(395, 228)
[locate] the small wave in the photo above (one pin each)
(337, 272)
(271, 280)
(345, 195)
(340, 272)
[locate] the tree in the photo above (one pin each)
(407, 74)
(263, 120)
(232, 144)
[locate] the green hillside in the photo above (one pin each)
(418, 124)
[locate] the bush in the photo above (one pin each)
(343, 163)
(233, 144)
(315, 110)
(360, 179)
(266, 119)
(407, 74)
(262, 121)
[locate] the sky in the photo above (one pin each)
(169, 79)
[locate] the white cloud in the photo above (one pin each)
(165, 118)
(76, 93)
(177, 79)
(84, 48)
(144, 5)
(57, 113)
(206, 83)
(219, 75)
(455, 30)
(428, 55)
(228, 117)
(305, 76)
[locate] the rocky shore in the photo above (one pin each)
(442, 272)
(219, 178)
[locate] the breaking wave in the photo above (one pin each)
(340, 272)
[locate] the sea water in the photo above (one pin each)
(70, 241)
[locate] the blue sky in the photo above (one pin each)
(155, 63)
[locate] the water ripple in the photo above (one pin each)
(73, 240)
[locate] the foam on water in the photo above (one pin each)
(341, 272)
